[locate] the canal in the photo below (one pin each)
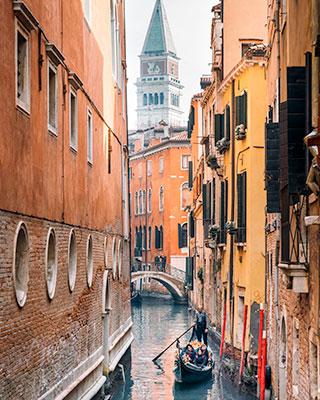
(156, 324)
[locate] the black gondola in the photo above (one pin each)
(136, 298)
(186, 372)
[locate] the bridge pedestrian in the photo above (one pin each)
(163, 263)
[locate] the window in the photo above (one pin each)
(149, 200)
(136, 203)
(145, 99)
(185, 161)
(144, 203)
(52, 88)
(115, 43)
(73, 115)
(150, 99)
(161, 98)
(89, 135)
(140, 170)
(241, 110)
(244, 48)
(144, 238)
(240, 317)
(89, 261)
(22, 68)
(149, 237)
(149, 167)
(161, 238)
(72, 260)
(227, 122)
(161, 199)
(140, 202)
(184, 195)
(242, 207)
(21, 264)
(218, 127)
(51, 263)
(156, 99)
(114, 258)
(183, 235)
(130, 173)
(161, 164)
(87, 11)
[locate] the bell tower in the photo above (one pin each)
(158, 88)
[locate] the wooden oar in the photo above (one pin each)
(159, 355)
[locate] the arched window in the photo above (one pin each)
(184, 235)
(150, 99)
(161, 98)
(145, 99)
(137, 238)
(72, 264)
(156, 99)
(21, 264)
(140, 238)
(51, 263)
(144, 202)
(149, 200)
(136, 203)
(140, 201)
(161, 199)
(184, 195)
(161, 238)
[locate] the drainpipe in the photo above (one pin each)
(146, 216)
(63, 108)
(276, 280)
(231, 297)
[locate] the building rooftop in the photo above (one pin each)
(159, 39)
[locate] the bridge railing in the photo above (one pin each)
(158, 267)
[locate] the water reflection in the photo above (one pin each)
(155, 325)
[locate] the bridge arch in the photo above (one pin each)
(166, 280)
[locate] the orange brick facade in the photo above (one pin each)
(60, 344)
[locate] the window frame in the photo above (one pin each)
(149, 200)
(186, 184)
(161, 206)
(72, 92)
(54, 69)
(187, 164)
(149, 169)
(161, 164)
(89, 137)
(24, 106)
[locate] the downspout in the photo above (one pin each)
(276, 280)
(231, 297)
(63, 108)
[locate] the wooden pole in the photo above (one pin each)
(243, 341)
(260, 344)
(263, 367)
(223, 328)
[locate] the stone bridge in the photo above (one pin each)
(173, 280)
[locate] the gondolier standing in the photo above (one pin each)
(201, 325)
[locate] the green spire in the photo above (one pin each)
(159, 38)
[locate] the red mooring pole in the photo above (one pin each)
(243, 341)
(260, 344)
(263, 367)
(223, 328)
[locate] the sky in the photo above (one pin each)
(190, 23)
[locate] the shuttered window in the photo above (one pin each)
(213, 218)
(190, 175)
(191, 122)
(156, 238)
(241, 110)
(227, 122)
(223, 211)
(183, 235)
(206, 207)
(218, 127)
(191, 225)
(242, 207)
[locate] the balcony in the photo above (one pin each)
(298, 272)
(222, 145)
(137, 252)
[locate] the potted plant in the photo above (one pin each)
(212, 162)
(240, 132)
(214, 230)
(231, 227)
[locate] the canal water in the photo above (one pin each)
(156, 323)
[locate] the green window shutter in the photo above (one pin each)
(227, 118)
(180, 236)
(209, 203)
(156, 238)
(244, 219)
(218, 127)
(204, 202)
(226, 201)
(190, 183)
(222, 204)
(238, 118)
(239, 200)
(245, 108)
(213, 201)
(222, 132)
(191, 225)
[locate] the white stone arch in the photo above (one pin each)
(20, 263)
(72, 260)
(114, 258)
(89, 260)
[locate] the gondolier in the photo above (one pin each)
(201, 325)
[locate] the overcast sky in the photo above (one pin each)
(190, 23)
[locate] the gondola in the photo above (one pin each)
(186, 372)
(136, 298)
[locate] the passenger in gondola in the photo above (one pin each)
(190, 353)
(200, 359)
(205, 353)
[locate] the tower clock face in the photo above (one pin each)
(153, 68)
